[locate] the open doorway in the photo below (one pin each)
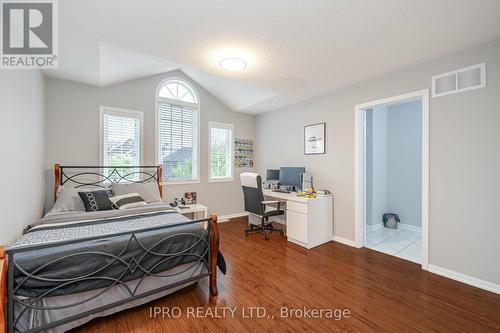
(392, 176)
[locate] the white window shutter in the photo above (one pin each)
(221, 151)
(178, 147)
(121, 138)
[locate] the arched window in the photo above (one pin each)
(179, 91)
(177, 131)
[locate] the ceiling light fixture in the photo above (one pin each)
(233, 64)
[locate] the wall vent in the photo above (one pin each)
(467, 78)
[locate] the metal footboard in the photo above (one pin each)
(18, 306)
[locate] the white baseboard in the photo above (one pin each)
(373, 227)
(494, 288)
(226, 218)
(410, 227)
(344, 241)
(403, 226)
(277, 220)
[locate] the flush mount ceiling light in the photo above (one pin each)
(233, 64)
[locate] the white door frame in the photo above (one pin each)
(360, 167)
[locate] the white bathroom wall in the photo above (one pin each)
(377, 168)
(394, 162)
(404, 162)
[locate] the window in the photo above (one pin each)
(177, 131)
(178, 91)
(220, 152)
(120, 138)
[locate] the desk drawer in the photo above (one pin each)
(297, 207)
(296, 226)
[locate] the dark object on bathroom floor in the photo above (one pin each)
(391, 220)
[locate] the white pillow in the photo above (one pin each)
(68, 200)
(126, 201)
(148, 191)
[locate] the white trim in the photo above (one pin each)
(344, 241)
(213, 124)
(359, 132)
(197, 108)
(226, 218)
(482, 84)
(467, 279)
(181, 182)
(120, 112)
(359, 177)
(221, 180)
(425, 178)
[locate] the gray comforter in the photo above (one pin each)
(85, 264)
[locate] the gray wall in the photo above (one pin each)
(464, 156)
(73, 125)
(21, 134)
(404, 162)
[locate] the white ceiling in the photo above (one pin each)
(295, 49)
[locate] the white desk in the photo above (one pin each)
(309, 222)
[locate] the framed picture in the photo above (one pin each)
(190, 198)
(314, 139)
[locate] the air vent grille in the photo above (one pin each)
(464, 79)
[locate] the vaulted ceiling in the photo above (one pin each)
(295, 49)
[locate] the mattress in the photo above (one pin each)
(93, 251)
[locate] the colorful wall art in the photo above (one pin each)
(243, 153)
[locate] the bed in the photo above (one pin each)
(71, 267)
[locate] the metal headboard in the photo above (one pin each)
(105, 176)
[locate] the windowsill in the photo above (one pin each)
(220, 180)
(181, 182)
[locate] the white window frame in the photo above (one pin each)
(213, 124)
(120, 112)
(196, 108)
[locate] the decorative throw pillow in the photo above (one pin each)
(67, 201)
(126, 201)
(96, 200)
(148, 191)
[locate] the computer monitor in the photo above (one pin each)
(273, 174)
(290, 176)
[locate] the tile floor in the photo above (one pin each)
(402, 243)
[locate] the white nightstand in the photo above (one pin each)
(197, 211)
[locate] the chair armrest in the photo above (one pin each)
(267, 202)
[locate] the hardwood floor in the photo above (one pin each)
(382, 293)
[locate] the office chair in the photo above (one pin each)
(256, 205)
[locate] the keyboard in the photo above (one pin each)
(281, 191)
